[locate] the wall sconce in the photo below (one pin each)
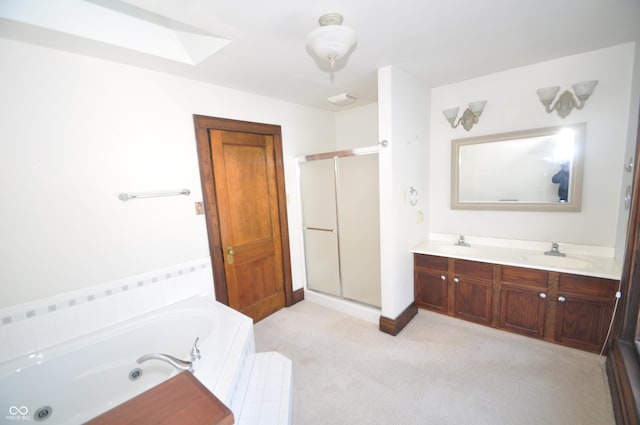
(469, 117)
(566, 102)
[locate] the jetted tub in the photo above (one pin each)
(77, 380)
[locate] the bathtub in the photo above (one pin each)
(74, 381)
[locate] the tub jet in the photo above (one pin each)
(135, 374)
(43, 413)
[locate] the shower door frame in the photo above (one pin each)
(335, 155)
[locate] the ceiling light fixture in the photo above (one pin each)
(566, 102)
(332, 40)
(469, 117)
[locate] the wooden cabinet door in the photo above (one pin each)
(473, 291)
(430, 278)
(584, 309)
(582, 322)
(473, 299)
(523, 310)
(431, 289)
(523, 300)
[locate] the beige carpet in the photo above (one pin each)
(438, 371)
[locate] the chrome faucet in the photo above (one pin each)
(462, 242)
(173, 361)
(555, 251)
(195, 351)
(177, 363)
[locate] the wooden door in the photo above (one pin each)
(245, 202)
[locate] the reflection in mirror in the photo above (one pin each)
(534, 170)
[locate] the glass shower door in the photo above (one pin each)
(317, 185)
(359, 227)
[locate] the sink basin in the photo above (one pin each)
(562, 262)
(458, 250)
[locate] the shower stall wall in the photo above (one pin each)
(341, 223)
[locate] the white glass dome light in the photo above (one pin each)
(332, 40)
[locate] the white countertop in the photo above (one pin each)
(574, 262)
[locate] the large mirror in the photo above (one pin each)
(532, 170)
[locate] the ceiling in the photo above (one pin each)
(438, 42)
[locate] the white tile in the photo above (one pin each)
(250, 410)
(269, 420)
(66, 323)
(269, 408)
(5, 351)
(249, 421)
(272, 392)
(253, 395)
(22, 344)
(46, 332)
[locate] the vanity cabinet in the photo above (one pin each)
(523, 300)
(472, 291)
(564, 308)
(459, 288)
(584, 308)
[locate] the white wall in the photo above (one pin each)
(76, 131)
(513, 105)
(357, 127)
(403, 104)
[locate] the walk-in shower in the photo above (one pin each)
(341, 223)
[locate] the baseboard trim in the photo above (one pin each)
(297, 296)
(394, 326)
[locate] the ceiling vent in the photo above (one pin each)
(342, 99)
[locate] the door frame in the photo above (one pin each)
(202, 125)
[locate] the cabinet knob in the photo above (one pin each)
(443, 277)
(561, 299)
(543, 295)
(456, 280)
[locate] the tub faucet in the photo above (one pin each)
(462, 242)
(555, 251)
(177, 363)
(195, 351)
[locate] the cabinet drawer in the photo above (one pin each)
(587, 286)
(474, 269)
(431, 262)
(523, 276)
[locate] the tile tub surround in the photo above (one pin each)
(30, 327)
(530, 254)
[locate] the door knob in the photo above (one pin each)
(230, 254)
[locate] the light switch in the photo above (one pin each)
(199, 208)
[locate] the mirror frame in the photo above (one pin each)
(575, 185)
